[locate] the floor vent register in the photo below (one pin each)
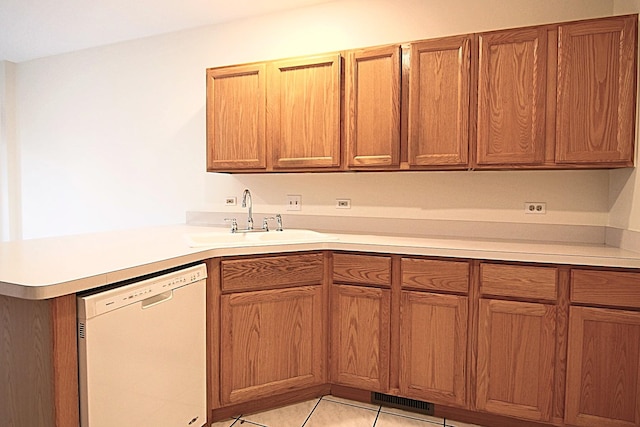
(402, 403)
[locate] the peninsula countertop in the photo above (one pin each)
(56, 266)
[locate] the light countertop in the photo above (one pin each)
(51, 267)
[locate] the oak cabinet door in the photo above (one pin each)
(512, 97)
(304, 112)
(372, 91)
(597, 91)
(603, 368)
(439, 80)
(236, 109)
(271, 341)
(516, 347)
(360, 337)
(433, 347)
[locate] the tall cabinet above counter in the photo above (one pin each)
(556, 96)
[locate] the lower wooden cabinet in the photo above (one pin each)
(360, 337)
(433, 347)
(603, 371)
(272, 341)
(516, 346)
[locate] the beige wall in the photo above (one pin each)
(118, 133)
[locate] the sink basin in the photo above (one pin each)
(228, 239)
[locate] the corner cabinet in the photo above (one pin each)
(272, 335)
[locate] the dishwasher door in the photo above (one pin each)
(142, 353)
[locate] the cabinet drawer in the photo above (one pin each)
(605, 288)
(362, 269)
(519, 281)
(435, 275)
(272, 272)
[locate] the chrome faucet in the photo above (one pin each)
(248, 204)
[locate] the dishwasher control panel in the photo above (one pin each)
(103, 302)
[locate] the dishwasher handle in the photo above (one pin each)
(157, 299)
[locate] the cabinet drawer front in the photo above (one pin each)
(605, 288)
(435, 275)
(519, 281)
(362, 269)
(270, 272)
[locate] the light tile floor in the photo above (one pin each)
(330, 411)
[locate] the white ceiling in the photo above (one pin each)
(32, 29)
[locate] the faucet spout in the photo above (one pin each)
(247, 202)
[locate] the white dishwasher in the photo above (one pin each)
(142, 352)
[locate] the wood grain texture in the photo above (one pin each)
(437, 275)
(304, 112)
(439, 81)
(433, 347)
(605, 288)
(603, 372)
(512, 96)
(360, 337)
(597, 62)
(372, 116)
(236, 111)
(518, 281)
(516, 347)
(254, 273)
(65, 361)
(26, 363)
(272, 342)
(362, 269)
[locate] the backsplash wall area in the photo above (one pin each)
(114, 137)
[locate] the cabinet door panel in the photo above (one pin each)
(597, 91)
(603, 368)
(433, 347)
(439, 102)
(373, 107)
(271, 341)
(360, 337)
(516, 346)
(236, 108)
(512, 97)
(304, 112)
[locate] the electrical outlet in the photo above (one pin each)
(230, 201)
(343, 203)
(294, 202)
(535, 208)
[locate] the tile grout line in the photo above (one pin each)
(311, 413)
(377, 415)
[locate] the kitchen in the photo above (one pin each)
(155, 137)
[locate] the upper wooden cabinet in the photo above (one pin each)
(236, 109)
(372, 116)
(511, 97)
(597, 91)
(439, 79)
(557, 96)
(304, 112)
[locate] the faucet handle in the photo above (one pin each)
(279, 222)
(265, 222)
(234, 224)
